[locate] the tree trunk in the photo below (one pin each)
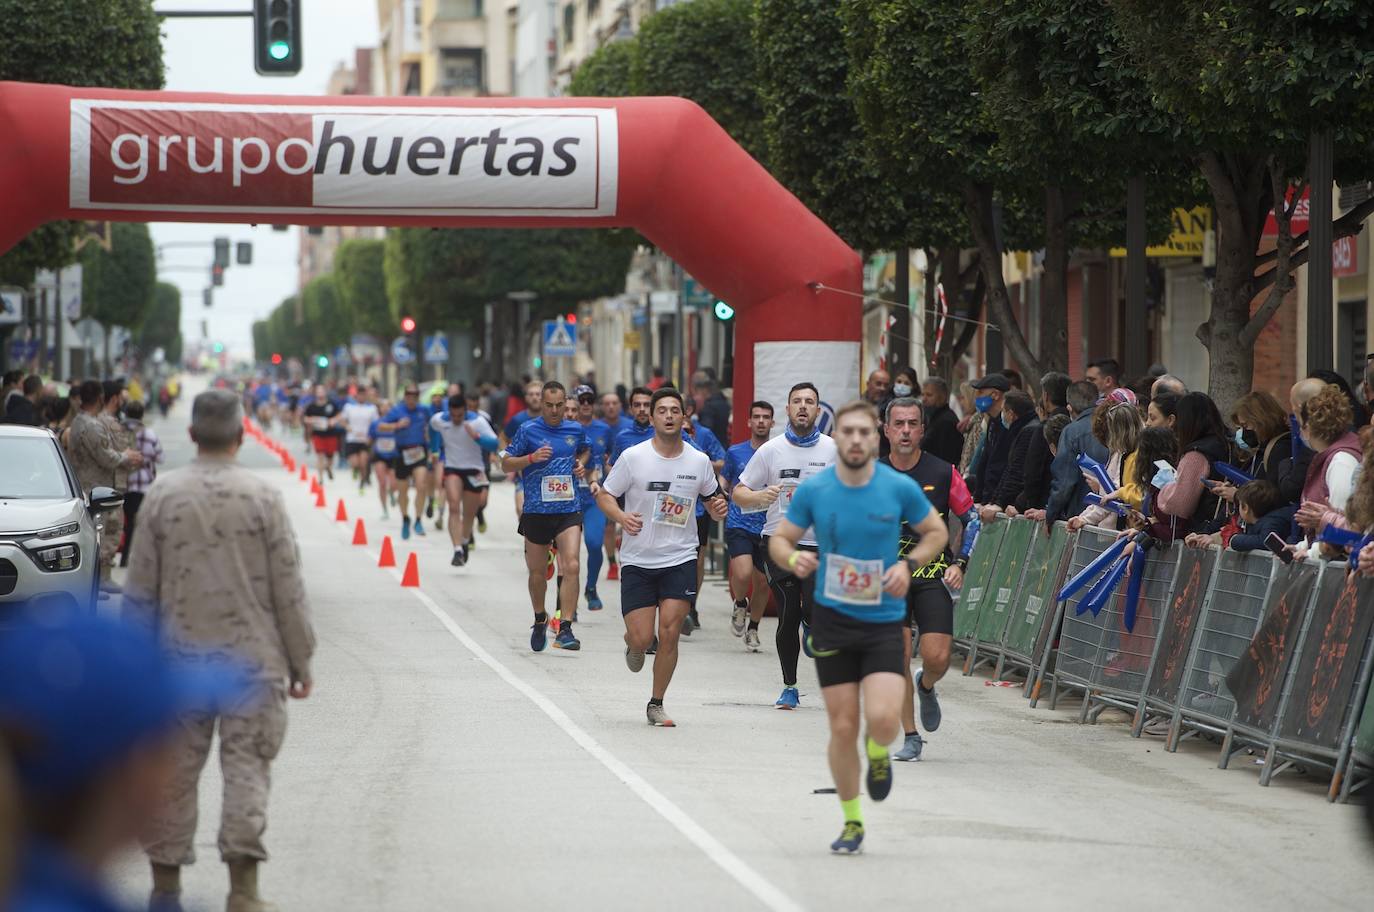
(1241, 197)
(1054, 287)
(978, 209)
(109, 360)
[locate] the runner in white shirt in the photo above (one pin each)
(357, 418)
(467, 440)
(768, 481)
(660, 480)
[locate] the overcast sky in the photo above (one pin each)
(216, 55)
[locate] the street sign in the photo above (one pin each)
(693, 295)
(560, 339)
(436, 349)
(341, 354)
(11, 307)
(400, 351)
(632, 339)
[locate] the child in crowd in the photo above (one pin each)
(1262, 511)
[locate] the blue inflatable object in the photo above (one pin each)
(1097, 470)
(1346, 538)
(970, 537)
(1099, 563)
(1115, 506)
(1099, 594)
(1133, 586)
(1232, 474)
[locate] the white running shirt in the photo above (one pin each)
(358, 418)
(780, 462)
(460, 450)
(664, 492)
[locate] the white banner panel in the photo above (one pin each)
(832, 366)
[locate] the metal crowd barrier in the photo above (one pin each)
(1267, 657)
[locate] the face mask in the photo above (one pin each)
(982, 403)
(1006, 419)
(1246, 439)
(901, 389)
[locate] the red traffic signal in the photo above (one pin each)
(572, 318)
(408, 324)
(276, 358)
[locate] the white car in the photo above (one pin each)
(49, 531)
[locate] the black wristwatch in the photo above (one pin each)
(962, 563)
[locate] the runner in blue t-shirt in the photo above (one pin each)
(534, 392)
(383, 459)
(593, 520)
(625, 433)
(744, 534)
(550, 454)
(699, 436)
(437, 406)
(409, 421)
(857, 509)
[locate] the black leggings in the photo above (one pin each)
(794, 600)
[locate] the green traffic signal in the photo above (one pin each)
(279, 50)
(724, 311)
(322, 360)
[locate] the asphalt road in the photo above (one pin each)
(441, 764)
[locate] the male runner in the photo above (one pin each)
(617, 420)
(593, 520)
(409, 420)
(436, 459)
(383, 458)
(701, 437)
(357, 418)
(640, 428)
(661, 481)
(550, 453)
(768, 481)
(467, 438)
(534, 406)
(744, 534)
(319, 420)
(929, 605)
(857, 509)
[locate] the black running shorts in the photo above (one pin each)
(739, 542)
(848, 650)
(645, 588)
(930, 607)
(474, 480)
(543, 528)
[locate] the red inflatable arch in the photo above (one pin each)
(660, 165)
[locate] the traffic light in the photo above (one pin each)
(572, 318)
(724, 312)
(538, 362)
(207, 297)
(276, 358)
(217, 275)
(322, 360)
(407, 324)
(222, 252)
(243, 251)
(277, 37)
(218, 347)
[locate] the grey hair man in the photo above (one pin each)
(1168, 384)
(215, 569)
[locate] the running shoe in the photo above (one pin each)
(851, 841)
(429, 508)
(457, 560)
(653, 647)
(806, 641)
(593, 600)
(465, 558)
(552, 566)
(470, 543)
(405, 527)
(361, 488)
(633, 660)
(419, 526)
(740, 618)
(911, 748)
(751, 640)
(539, 637)
(790, 699)
(385, 515)
(879, 777)
(566, 640)
(686, 626)
(482, 523)
(658, 716)
(439, 522)
(613, 571)
(930, 706)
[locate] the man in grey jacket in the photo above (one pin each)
(1067, 487)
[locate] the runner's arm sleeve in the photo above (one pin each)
(755, 474)
(486, 436)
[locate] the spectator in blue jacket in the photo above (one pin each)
(1262, 510)
(1068, 489)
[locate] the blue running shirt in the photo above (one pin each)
(550, 486)
(599, 438)
(858, 530)
(736, 458)
(627, 438)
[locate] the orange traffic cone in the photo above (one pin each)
(304, 476)
(341, 515)
(319, 498)
(411, 578)
(359, 533)
(388, 558)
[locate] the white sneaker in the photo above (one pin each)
(739, 620)
(751, 640)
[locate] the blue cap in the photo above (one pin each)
(583, 390)
(86, 690)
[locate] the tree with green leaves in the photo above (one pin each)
(327, 321)
(285, 335)
(1246, 84)
(262, 341)
(117, 284)
(108, 43)
(704, 51)
(360, 277)
(608, 72)
(161, 325)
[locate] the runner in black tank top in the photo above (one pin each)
(929, 605)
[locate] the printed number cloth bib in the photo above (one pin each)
(671, 510)
(557, 488)
(852, 581)
(412, 455)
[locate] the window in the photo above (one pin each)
(460, 69)
(592, 7)
(569, 23)
(460, 9)
(33, 469)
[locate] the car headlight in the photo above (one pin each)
(58, 557)
(59, 531)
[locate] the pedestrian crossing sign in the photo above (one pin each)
(560, 339)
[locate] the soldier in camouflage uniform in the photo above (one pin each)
(215, 566)
(123, 439)
(97, 458)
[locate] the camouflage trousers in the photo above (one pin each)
(247, 744)
(111, 529)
